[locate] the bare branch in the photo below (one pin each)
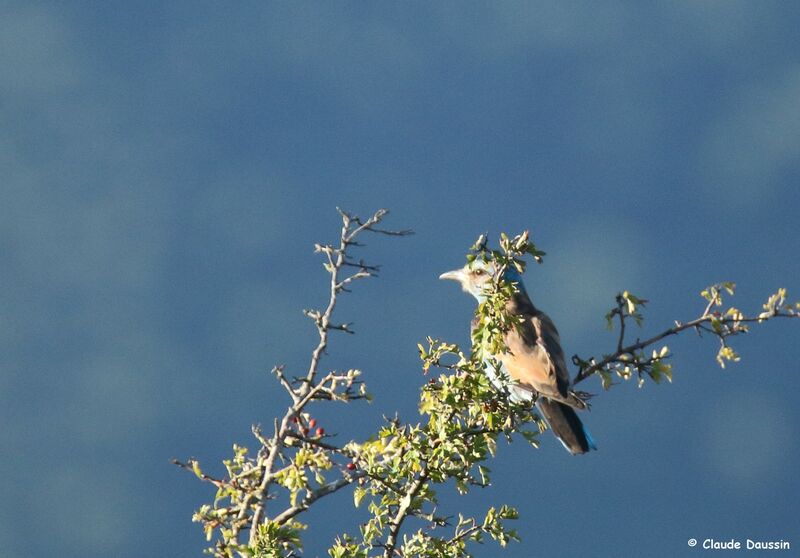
(621, 314)
(337, 258)
(375, 219)
(362, 265)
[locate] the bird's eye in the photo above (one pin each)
(478, 272)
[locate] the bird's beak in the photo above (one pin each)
(455, 275)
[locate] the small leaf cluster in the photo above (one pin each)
(726, 324)
(275, 540)
(628, 306)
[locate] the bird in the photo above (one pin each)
(534, 360)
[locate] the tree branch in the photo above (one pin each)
(679, 327)
(403, 511)
(315, 495)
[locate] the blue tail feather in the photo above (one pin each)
(567, 426)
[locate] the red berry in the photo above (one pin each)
(312, 423)
(320, 431)
(351, 466)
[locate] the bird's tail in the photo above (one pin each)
(566, 425)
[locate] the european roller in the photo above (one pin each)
(534, 362)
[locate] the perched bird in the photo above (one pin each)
(534, 361)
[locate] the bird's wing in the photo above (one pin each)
(549, 339)
(535, 358)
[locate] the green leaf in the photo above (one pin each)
(358, 495)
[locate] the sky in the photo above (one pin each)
(167, 168)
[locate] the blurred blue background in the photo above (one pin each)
(167, 167)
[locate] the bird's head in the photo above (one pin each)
(476, 277)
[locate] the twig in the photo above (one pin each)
(190, 466)
(621, 315)
(464, 534)
(315, 495)
(278, 371)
